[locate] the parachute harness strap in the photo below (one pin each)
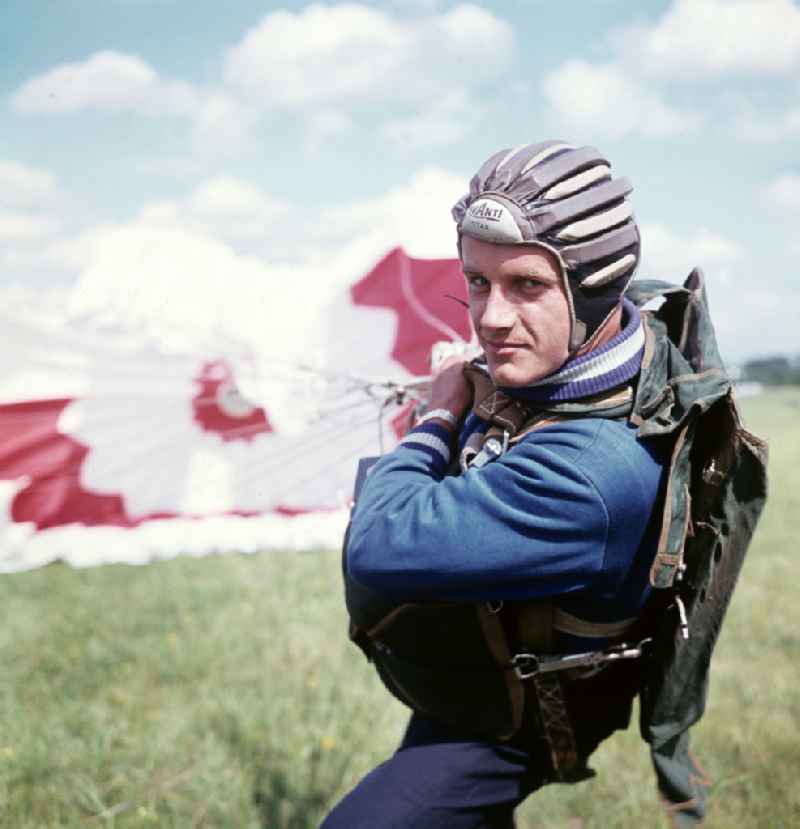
(509, 417)
(510, 420)
(543, 673)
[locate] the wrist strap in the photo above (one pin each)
(441, 414)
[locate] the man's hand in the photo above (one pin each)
(450, 389)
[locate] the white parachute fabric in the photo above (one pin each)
(115, 448)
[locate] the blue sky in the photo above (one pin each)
(154, 149)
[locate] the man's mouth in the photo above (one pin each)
(501, 349)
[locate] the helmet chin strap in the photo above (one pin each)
(577, 337)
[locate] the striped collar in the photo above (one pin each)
(611, 365)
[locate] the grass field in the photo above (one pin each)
(222, 692)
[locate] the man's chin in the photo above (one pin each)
(510, 376)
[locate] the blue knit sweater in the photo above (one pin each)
(569, 512)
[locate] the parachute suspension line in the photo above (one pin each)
(354, 381)
(347, 404)
(303, 474)
(273, 466)
(380, 424)
(321, 471)
(343, 437)
(398, 397)
(368, 394)
(457, 299)
(305, 368)
(275, 462)
(277, 459)
(112, 469)
(338, 433)
(331, 431)
(338, 428)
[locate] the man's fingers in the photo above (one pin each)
(450, 362)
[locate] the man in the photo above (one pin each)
(539, 504)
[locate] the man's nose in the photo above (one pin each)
(498, 312)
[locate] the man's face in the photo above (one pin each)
(519, 309)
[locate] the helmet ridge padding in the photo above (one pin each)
(562, 198)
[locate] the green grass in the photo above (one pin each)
(222, 692)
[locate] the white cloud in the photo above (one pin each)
(161, 278)
(29, 219)
(322, 53)
(669, 255)
(610, 99)
(694, 42)
(438, 124)
(321, 63)
(742, 308)
(468, 28)
(222, 123)
(352, 53)
(21, 185)
(228, 196)
(169, 274)
(21, 260)
(22, 227)
(322, 127)
(784, 191)
(224, 208)
(110, 81)
(762, 127)
(415, 215)
(116, 82)
(242, 216)
(417, 5)
(698, 39)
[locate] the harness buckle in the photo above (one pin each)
(491, 450)
(526, 665)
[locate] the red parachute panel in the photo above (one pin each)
(219, 407)
(31, 446)
(417, 291)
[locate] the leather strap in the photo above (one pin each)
(556, 726)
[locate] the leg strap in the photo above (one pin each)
(556, 727)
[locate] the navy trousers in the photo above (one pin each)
(437, 780)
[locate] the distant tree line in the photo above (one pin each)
(773, 371)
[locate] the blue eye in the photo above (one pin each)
(529, 283)
(477, 282)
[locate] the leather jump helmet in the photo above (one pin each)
(564, 199)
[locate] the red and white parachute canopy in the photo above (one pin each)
(115, 450)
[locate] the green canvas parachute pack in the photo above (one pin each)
(716, 492)
(462, 663)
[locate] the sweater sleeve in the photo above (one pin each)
(530, 524)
